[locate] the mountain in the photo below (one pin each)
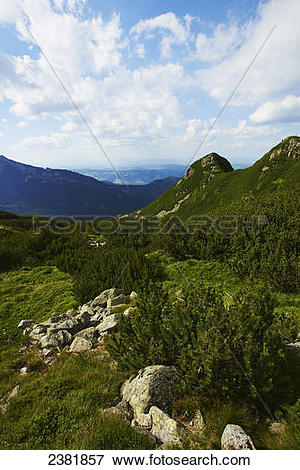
(135, 175)
(26, 189)
(211, 183)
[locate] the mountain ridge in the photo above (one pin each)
(202, 192)
(26, 189)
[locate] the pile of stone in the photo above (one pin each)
(82, 329)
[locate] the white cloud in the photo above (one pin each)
(69, 127)
(285, 110)
(276, 71)
(218, 46)
(179, 30)
(156, 105)
(22, 124)
(54, 140)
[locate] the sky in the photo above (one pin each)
(148, 79)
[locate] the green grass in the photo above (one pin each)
(61, 407)
(37, 294)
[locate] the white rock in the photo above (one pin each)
(80, 345)
(235, 438)
(133, 295)
(25, 324)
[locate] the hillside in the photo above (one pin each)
(138, 340)
(25, 189)
(211, 184)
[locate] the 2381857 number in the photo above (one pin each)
(75, 459)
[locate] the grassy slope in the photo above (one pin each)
(225, 188)
(59, 406)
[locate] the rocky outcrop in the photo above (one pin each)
(153, 386)
(145, 399)
(235, 438)
(78, 330)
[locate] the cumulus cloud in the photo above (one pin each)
(276, 71)
(285, 110)
(145, 105)
(54, 140)
(173, 29)
(223, 41)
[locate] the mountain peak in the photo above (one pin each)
(288, 148)
(214, 161)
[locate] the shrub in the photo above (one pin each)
(218, 350)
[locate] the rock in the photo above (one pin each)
(80, 345)
(295, 346)
(108, 323)
(88, 334)
(114, 292)
(47, 352)
(143, 421)
(235, 438)
(133, 295)
(129, 311)
(102, 337)
(60, 339)
(13, 393)
(198, 422)
(153, 386)
(24, 371)
(121, 409)
(25, 324)
(166, 429)
(83, 319)
(101, 300)
(121, 299)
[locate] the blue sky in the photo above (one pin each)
(148, 77)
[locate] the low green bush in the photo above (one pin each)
(220, 351)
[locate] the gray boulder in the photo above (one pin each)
(80, 345)
(153, 386)
(83, 320)
(101, 300)
(119, 300)
(25, 324)
(166, 429)
(121, 409)
(56, 340)
(109, 323)
(143, 421)
(129, 311)
(88, 334)
(235, 438)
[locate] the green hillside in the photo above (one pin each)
(210, 184)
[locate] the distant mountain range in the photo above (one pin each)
(135, 175)
(140, 175)
(212, 184)
(26, 189)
